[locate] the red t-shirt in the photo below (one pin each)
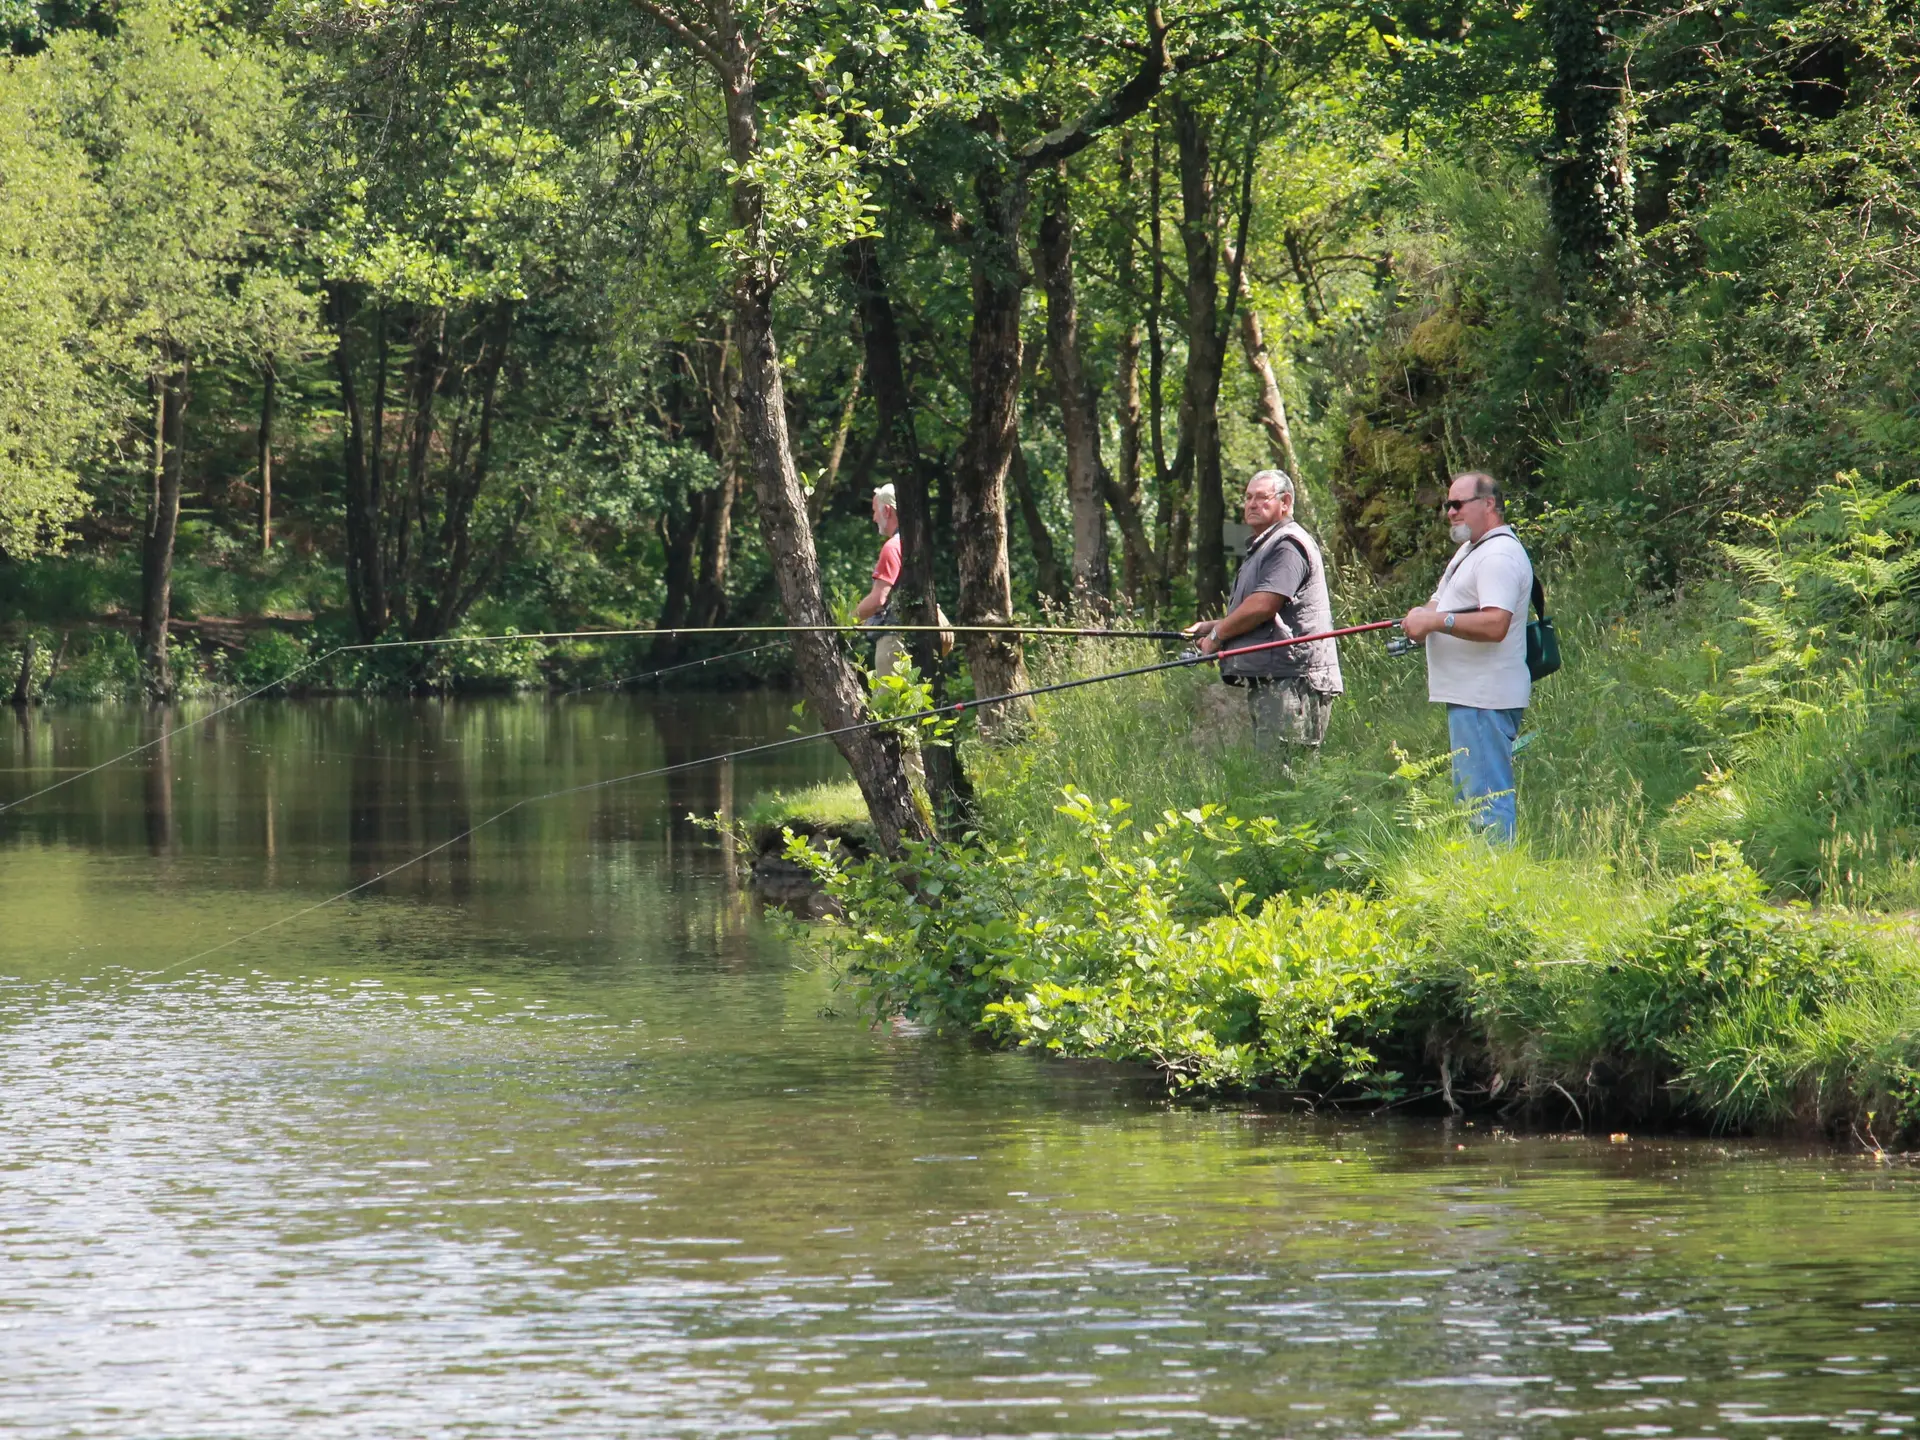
(887, 568)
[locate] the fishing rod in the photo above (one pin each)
(956, 708)
(1091, 632)
(1087, 632)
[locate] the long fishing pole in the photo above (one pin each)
(1091, 632)
(956, 708)
(297, 671)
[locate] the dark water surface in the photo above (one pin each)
(549, 1134)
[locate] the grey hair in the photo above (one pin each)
(1485, 487)
(1282, 482)
(884, 494)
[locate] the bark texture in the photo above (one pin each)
(170, 396)
(1092, 580)
(1206, 352)
(980, 491)
(269, 390)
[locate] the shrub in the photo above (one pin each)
(270, 656)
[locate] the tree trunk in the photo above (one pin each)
(980, 477)
(1169, 525)
(1137, 559)
(1053, 254)
(366, 578)
(1047, 577)
(1583, 188)
(456, 583)
(162, 524)
(873, 755)
(680, 538)
(426, 369)
(837, 451)
(23, 684)
(716, 520)
(269, 383)
(1271, 411)
(947, 786)
(1200, 396)
(1123, 496)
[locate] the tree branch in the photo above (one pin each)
(1115, 108)
(695, 37)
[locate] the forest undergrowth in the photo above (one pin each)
(1706, 922)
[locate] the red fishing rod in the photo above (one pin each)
(1193, 657)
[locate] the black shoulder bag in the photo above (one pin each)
(1543, 644)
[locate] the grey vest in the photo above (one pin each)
(1307, 613)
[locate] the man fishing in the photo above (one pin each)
(1476, 654)
(1280, 592)
(889, 650)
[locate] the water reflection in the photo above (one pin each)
(551, 1136)
(158, 770)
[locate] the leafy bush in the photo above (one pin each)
(1296, 997)
(270, 656)
(98, 665)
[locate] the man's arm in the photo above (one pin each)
(1249, 615)
(875, 601)
(1283, 571)
(1489, 624)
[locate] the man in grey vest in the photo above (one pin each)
(1280, 592)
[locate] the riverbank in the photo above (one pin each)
(1693, 931)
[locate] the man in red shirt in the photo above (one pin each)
(886, 570)
(889, 650)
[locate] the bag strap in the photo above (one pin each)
(1539, 596)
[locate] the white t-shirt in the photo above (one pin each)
(1491, 571)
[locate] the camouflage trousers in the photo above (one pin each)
(1288, 711)
(889, 655)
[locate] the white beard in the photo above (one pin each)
(1459, 532)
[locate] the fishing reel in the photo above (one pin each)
(1400, 643)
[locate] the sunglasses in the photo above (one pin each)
(1454, 507)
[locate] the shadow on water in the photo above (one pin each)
(550, 1133)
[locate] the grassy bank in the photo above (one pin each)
(1701, 924)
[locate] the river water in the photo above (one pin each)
(551, 1134)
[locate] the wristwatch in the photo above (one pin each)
(1447, 623)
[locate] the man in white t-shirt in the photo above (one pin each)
(1475, 631)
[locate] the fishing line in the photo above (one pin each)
(301, 669)
(683, 665)
(169, 734)
(956, 709)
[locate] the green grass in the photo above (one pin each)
(832, 803)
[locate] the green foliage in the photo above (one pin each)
(270, 656)
(55, 411)
(100, 665)
(1820, 771)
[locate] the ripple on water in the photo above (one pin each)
(559, 1140)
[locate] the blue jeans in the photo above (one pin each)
(1482, 743)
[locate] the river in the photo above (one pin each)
(552, 1134)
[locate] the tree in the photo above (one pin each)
(185, 131)
(56, 409)
(792, 180)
